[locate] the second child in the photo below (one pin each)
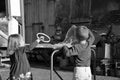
(20, 67)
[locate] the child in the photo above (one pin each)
(20, 67)
(81, 50)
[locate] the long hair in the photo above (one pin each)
(77, 34)
(14, 42)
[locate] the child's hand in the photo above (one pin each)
(68, 45)
(38, 40)
(43, 37)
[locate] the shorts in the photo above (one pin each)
(82, 73)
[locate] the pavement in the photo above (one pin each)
(42, 72)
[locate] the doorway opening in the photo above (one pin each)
(2, 8)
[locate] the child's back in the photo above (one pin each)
(81, 50)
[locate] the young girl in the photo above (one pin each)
(20, 67)
(81, 51)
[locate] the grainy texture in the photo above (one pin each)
(43, 73)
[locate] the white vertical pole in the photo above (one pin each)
(23, 19)
(107, 51)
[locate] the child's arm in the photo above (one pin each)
(32, 45)
(91, 38)
(72, 51)
(2, 34)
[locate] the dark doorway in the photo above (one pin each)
(2, 8)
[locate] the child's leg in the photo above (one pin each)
(82, 73)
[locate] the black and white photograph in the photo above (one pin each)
(59, 39)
